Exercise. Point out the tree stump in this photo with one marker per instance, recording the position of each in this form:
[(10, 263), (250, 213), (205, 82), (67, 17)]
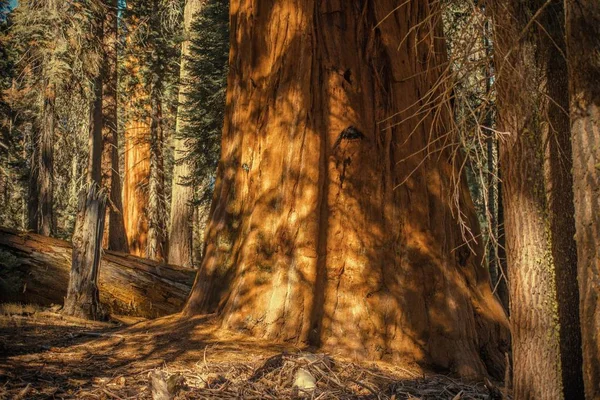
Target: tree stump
[(82, 295)]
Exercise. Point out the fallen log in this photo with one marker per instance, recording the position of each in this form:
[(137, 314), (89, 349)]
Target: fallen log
[(35, 269)]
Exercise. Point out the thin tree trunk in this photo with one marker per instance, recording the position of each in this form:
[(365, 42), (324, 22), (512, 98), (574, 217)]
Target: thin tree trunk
[(537, 201), (324, 230), (182, 209), (583, 39), (157, 233), (82, 296), (116, 238), (33, 196), (83, 299), (45, 166)]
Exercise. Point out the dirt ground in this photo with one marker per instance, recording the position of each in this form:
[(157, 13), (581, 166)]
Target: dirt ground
[(45, 355)]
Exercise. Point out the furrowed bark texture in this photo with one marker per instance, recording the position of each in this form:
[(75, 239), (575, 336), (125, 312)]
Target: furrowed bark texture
[(182, 210), (82, 299), (583, 40), (115, 236), (311, 239), (35, 269), (537, 201)]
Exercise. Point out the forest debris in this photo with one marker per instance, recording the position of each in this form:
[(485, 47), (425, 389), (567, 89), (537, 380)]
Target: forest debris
[(165, 387), (159, 385), (231, 371), (23, 393)]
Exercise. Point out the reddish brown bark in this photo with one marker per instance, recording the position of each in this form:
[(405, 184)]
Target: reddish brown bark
[(135, 194), (310, 238), (115, 236)]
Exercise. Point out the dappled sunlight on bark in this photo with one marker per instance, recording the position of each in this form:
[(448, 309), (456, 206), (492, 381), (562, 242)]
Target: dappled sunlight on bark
[(312, 238)]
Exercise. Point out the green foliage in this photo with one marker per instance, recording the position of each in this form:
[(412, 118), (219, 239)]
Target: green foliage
[(204, 110), (58, 53)]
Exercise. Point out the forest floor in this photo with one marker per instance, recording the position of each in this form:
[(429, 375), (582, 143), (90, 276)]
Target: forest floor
[(45, 355)]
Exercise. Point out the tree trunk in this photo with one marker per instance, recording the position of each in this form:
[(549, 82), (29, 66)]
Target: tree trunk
[(45, 165), (324, 229), (33, 196), (115, 237), (583, 39), (157, 210), (82, 295), (537, 202), (137, 169), (182, 209), (35, 269)]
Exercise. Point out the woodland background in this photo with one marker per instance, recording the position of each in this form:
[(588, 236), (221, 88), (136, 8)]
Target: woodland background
[(490, 134)]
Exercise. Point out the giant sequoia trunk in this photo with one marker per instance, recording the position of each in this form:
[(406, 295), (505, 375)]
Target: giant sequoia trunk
[(537, 200), (583, 36), (312, 239), (116, 238), (182, 210)]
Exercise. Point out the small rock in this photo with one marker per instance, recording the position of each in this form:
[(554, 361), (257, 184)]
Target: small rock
[(305, 381)]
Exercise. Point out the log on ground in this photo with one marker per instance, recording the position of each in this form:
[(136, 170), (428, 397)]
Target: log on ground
[(35, 269)]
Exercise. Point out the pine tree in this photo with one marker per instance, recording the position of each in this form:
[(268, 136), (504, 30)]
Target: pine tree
[(200, 119)]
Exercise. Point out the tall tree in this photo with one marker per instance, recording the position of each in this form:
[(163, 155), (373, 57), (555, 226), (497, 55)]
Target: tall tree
[(182, 195), (200, 123), (324, 230), (83, 299), (537, 199), (151, 55), (583, 39), (111, 179)]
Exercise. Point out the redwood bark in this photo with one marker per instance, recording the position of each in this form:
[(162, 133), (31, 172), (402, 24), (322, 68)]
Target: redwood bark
[(537, 201), (311, 238), (115, 235), (144, 192), (583, 40), (135, 184), (182, 209)]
